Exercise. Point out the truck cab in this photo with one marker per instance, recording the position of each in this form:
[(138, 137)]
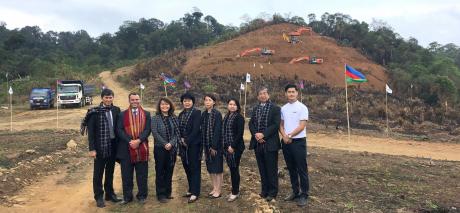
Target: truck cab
[(41, 98), (73, 93)]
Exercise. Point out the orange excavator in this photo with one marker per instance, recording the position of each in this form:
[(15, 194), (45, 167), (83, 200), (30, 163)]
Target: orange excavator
[(312, 60), (261, 51), (293, 37)]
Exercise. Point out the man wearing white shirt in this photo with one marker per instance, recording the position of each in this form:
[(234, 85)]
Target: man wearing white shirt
[(294, 117)]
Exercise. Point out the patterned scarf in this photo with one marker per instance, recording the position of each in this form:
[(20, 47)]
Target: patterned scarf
[(260, 117), (184, 117), (228, 137), (133, 126), (207, 130), (172, 127), (105, 143)]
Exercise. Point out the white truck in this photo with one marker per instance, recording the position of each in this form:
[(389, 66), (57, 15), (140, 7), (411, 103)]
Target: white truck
[(74, 93)]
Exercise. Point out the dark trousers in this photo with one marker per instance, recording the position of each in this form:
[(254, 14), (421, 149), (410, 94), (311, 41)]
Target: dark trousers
[(235, 173), (127, 171), (295, 155), (164, 167), (267, 161), (193, 169), (106, 165)]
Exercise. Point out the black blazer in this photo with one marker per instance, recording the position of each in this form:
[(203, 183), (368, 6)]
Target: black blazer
[(192, 129), (238, 132), (124, 139), (216, 142), (93, 130), (272, 138)]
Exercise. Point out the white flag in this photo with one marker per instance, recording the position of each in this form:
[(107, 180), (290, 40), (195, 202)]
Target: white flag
[(248, 77), (388, 89), (242, 86), (254, 65), (10, 91), (142, 86)]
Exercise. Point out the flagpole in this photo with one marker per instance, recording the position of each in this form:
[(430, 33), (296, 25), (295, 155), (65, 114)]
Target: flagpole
[(166, 91), (11, 112), (57, 106), (346, 101), (240, 94), (245, 89), (386, 111)]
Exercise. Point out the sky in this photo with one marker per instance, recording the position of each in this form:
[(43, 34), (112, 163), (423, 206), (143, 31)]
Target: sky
[(425, 20)]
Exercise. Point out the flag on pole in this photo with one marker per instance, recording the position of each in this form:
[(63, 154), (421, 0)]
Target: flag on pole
[(10, 91), (354, 76), (301, 85), (141, 86), (168, 81), (242, 86), (388, 89), (187, 84), (248, 77)]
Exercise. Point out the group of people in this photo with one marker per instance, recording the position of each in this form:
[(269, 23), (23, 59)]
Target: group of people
[(122, 136)]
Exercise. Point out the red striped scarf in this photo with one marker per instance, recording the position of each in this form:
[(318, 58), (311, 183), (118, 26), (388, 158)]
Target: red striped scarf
[(134, 125)]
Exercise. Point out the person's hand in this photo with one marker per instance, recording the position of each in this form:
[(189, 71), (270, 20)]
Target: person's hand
[(261, 141), (230, 150), (92, 154), (259, 136), (212, 151), (168, 146), (287, 140), (134, 143)]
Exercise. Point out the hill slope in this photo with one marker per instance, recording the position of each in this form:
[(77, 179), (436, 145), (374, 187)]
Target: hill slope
[(221, 59)]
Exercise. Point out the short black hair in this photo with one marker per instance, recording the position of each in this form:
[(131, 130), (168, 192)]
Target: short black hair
[(213, 97), (238, 106), (187, 96), (106, 92), (290, 86)]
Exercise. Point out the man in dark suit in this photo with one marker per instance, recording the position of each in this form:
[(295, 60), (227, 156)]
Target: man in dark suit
[(265, 141), (133, 150), (102, 140)]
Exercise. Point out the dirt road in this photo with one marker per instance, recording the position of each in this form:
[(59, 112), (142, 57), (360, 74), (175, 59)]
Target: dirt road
[(47, 195)]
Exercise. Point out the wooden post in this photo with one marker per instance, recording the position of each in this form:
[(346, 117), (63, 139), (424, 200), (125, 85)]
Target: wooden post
[(386, 112)]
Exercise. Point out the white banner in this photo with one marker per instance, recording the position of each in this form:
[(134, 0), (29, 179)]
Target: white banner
[(242, 86), (248, 77), (10, 91), (388, 89), (142, 86)]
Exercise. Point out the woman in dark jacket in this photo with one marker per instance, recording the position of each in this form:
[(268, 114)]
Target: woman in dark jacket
[(232, 138), (211, 126), (165, 130), (190, 146)]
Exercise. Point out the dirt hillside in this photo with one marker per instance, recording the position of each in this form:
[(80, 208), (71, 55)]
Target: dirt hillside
[(221, 59)]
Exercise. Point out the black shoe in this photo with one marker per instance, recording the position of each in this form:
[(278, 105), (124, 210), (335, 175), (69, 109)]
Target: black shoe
[(142, 200), (113, 198), (302, 201), (269, 198), (100, 203), (163, 200), (263, 195), (170, 197), (291, 197), (124, 202)]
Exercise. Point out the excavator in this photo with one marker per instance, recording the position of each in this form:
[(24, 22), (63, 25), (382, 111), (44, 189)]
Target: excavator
[(293, 37), (312, 60), (261, 51)]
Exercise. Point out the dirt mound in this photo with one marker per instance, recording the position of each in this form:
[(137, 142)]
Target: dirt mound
[(221, 59)]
